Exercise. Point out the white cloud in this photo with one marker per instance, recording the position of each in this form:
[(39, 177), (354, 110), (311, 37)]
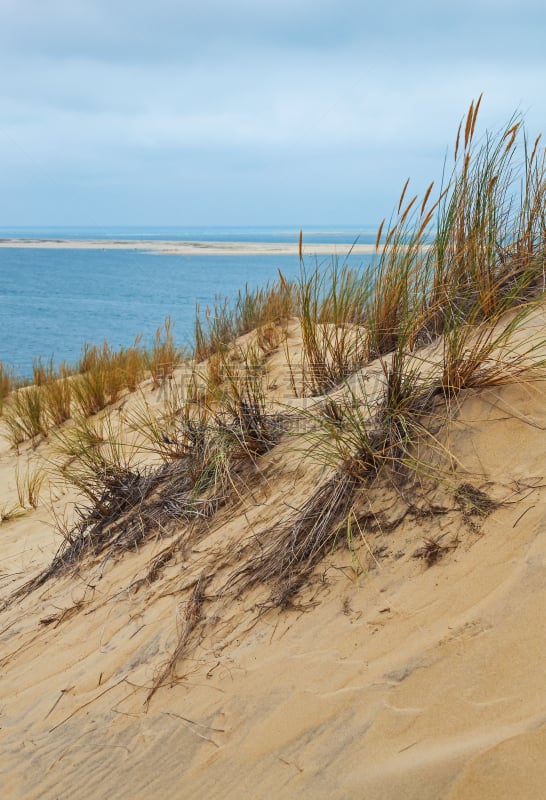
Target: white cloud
[(269, 106)]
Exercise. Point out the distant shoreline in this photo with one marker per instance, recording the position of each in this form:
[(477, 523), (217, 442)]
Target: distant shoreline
[(192, 248)]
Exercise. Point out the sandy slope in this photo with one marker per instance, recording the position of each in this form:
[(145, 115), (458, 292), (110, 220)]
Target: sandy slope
[(405, 681)]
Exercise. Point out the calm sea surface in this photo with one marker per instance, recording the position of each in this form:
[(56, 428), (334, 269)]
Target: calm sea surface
[(52, 301)]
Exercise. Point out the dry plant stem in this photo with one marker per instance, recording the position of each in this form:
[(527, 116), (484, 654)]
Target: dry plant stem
[(10, 512), (288, 552), (180, 427), (165, 355), (126, 504), (7, 383), (486, 355), (330, 308), (239, 407), (489, 248), (475, 283), (25, 416), (193, 616), (29, 485), (98, 380), (266, 309)]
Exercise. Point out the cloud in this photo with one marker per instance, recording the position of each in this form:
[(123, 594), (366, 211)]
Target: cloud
[(137, 31), (248, 109)]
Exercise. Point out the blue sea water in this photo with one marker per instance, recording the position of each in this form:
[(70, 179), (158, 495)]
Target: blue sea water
[(52, 301), (312, 234)]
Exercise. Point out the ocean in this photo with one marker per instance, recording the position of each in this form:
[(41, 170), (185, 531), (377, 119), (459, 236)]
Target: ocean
[(54, 300)]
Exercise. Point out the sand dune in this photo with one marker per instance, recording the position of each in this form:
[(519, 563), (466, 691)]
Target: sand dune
[(404, 681)]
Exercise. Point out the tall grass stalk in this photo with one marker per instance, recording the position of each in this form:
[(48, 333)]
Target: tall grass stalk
[(178, 429), (25, 417), (239, 404), (398, 307), (7, 383), (92, 456), (365, 428), (58, 396), (489, 247), (492, 353), (165, 356), (29, 484), (266, 308), (330, 305)]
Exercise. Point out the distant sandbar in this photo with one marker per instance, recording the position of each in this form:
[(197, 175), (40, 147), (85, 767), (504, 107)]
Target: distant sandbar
[(193, 248)]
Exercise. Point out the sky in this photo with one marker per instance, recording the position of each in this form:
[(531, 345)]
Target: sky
[(248, 112)]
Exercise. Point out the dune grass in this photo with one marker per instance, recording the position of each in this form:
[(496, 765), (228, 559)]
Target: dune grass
[(98, 380), (264, 309), (238, 401), (330, 307), (9, 512), (26, 417), (104, 373), (466, 266), (164, 355), (29, 485), (8, 383), (488, 251), (449, 305)]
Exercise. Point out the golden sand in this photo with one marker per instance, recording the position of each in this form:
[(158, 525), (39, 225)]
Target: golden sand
[(403, 681)]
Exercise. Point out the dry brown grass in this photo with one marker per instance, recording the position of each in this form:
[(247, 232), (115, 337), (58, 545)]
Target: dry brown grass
[(25, 416), (330, 306), (165, 356), (267, 308), (465, 266)]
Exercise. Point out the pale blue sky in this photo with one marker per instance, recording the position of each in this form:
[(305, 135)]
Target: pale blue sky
[(300, 112)]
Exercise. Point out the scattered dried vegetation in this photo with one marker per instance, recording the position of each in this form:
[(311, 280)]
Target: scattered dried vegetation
[(444, 308)]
